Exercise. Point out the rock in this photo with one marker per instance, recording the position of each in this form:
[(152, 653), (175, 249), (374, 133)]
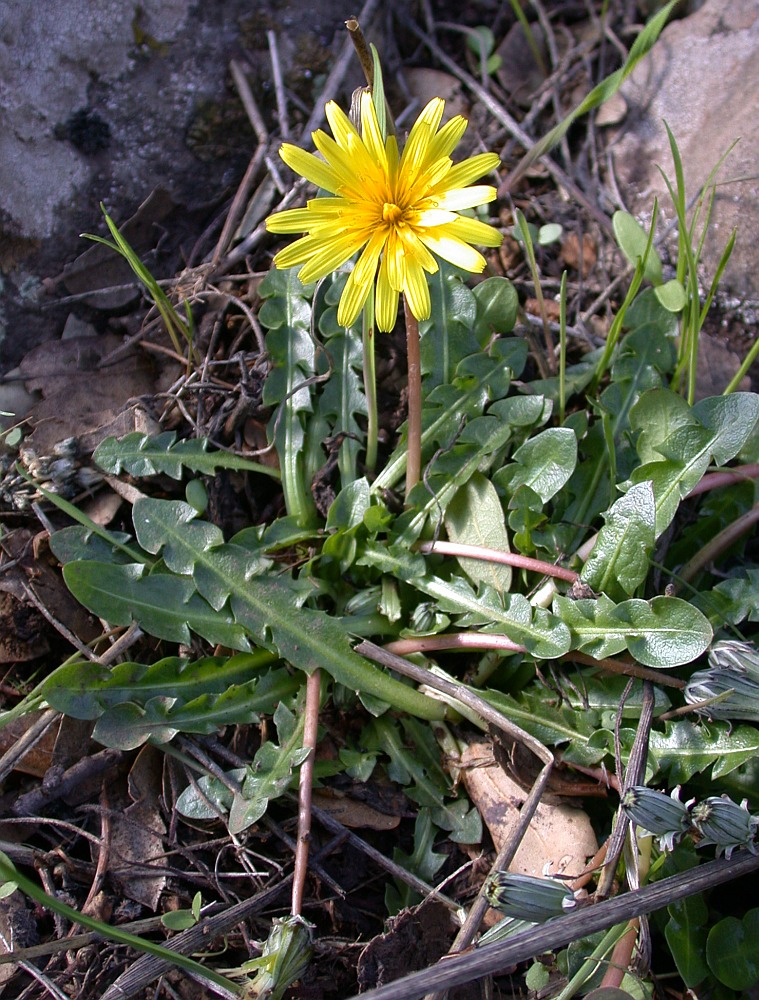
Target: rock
[(110, 101), (702, 77)]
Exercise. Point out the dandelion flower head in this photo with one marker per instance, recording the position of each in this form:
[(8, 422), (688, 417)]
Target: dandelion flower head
[(400, 210)]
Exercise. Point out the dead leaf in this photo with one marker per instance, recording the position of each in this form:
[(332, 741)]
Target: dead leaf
[(137, 833), (80, 397), (424, 84), (22, 631), (715, 367), (519, 74), (351, 813), (559, 836), (553, 309), (580, 261)]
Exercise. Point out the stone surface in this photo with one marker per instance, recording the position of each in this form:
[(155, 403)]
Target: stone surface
[(702, 77), (102, 100)]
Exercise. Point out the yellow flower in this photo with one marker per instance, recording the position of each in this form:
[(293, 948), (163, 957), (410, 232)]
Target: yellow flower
[(400, 209)]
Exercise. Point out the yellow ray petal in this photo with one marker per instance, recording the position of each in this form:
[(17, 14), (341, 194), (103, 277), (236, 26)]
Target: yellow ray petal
[(309, 166), (469, 197), (386, 302), (474, 231), (417, 291), (371, 135), (462, 174), (353, 298), (455, 251), (340, 124)]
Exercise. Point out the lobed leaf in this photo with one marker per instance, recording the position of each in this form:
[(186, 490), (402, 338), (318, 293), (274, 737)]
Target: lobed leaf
[(265, 606), (664, 632), (686, 748), (145, 455), (620, 558)]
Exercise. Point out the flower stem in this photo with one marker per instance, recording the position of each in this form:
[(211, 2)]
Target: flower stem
[(370, 383), (414, 462)]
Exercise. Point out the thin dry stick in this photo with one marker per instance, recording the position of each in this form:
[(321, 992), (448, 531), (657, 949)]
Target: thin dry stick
[(310, 729), (339, 70), (279, 84), (557, 933), (634, 774), (414, 438), (513, 732), (501, 115), (24, 744)]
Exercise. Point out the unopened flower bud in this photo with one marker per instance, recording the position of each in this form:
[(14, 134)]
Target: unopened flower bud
[(726, 824), (284, 959), (525, 897), (663, 816)]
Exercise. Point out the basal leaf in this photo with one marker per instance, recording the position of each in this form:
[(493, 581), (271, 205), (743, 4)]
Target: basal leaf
[(544, 463), (77, 542), (266, 606), (447, 337), (129, 725), (686, 936), (162, 604), (732, 951), (475, 517), (664, 632), (686, 748), (620, 558), (145, 455), (543, 634)]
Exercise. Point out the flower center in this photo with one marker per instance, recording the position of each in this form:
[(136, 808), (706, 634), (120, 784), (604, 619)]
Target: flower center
[(392, 213)]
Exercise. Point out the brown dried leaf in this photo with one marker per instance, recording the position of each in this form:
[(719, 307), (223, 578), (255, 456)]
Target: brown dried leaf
[(351, 813), (559, 836), (81, 398), (572, 257), (137, 834)]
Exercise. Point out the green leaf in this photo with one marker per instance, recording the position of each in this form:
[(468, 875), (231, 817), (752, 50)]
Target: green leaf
[(633, 242), (686, 936), (664, 632), (86, 690), (475, 517), (163, 604), (544, 463), (142, 455), (732, 951), (497, 307), (77, 542), (266, 607), (423, 861), (287, 314), (127, 726), (448, 336), (543, 634), (714, 431), (672, 296), (342, 400), (686, 748), (620, 558)]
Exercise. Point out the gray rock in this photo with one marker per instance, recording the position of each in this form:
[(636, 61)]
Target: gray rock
[(702, 77), (102, 100)]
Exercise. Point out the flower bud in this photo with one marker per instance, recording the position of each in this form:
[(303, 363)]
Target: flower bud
[(525, 897), (661, 815), (726, 824), (732, 679), (284, 959)]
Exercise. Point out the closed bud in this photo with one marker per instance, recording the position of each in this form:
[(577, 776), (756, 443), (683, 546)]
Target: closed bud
[(731, 684), (726, 824), (525, 897), (663, 816)]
